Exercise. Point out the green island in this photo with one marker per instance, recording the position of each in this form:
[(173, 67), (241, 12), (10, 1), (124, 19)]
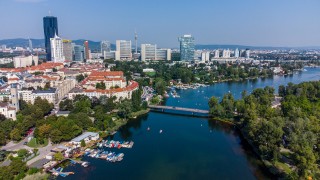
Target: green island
[(283, 130)]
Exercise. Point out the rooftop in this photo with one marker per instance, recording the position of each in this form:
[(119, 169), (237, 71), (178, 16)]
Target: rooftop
[(84, 135)]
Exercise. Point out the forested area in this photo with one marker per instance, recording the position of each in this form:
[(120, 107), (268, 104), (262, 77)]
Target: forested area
[(286, 137)]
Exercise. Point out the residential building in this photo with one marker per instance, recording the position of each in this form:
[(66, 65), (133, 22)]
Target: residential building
[(8, 111), (56, 49), (205, 56), (226, 53), (237, 53), (50, 27), (25, 61), (187, 48), (216, 53), (247, 53), (67, 49), (123, 50)]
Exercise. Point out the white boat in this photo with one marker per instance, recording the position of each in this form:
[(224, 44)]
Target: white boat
[(160, 131)]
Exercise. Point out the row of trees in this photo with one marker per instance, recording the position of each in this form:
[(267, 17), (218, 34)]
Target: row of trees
[(293, 128)]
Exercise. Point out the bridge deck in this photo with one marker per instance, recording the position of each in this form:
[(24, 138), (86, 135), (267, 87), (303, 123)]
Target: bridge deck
[(180, 109)]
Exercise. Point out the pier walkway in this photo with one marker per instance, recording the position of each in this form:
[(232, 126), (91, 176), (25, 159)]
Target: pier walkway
[(181, 109)]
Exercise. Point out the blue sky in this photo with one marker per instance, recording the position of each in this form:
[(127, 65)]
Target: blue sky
[(243, 22)]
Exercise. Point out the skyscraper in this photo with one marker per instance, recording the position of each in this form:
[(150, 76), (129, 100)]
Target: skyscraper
[(56, 49), (50, 27), (105, 47), (30, 46), (67, 49), (86, 50), (78, 53), (236, 53), (123, 50), (187, 48)]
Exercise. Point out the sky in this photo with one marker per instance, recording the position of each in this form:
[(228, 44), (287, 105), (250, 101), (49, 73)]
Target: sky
[(293, 23)]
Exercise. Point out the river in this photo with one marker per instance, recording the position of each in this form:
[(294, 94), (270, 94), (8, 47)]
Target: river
[(188, 147)]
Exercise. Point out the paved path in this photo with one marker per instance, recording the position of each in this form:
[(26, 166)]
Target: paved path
[(180, 109), (43, 152)]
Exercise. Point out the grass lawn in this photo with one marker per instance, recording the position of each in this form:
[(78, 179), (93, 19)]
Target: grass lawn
[(151, 74), (34, 144)]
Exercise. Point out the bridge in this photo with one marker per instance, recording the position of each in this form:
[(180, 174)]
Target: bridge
[(172, 109)]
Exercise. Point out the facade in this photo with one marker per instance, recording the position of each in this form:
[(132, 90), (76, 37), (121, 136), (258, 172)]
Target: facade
[(56, 49), (216, 53), (67, 49), (123, 50), (148, 52), (30, 96), (105, 47), (163, 54), (30, 46), (226, 53), (21, 61), (86, 50), (7, 111), (78, 53), (236, 53), (109, 55), (50, 27), (187, 48), (205, 56), (247, 53)]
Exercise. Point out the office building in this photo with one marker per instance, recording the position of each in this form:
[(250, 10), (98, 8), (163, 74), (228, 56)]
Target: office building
[(163, 54), (148, 52), (123, 50), (86, 50), (56, 49), (78, 53), (247, 53), (30, 46), (67, 49), (105, 46), (187, 48), (50, 27)]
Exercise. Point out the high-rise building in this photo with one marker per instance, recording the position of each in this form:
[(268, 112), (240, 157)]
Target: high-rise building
[(163, 54), (105, 47), (216, 53), (86, 50), (56, 49), (50, 27), (67, 49), (123, 50), (226, 53), (148, 52), (247, 53), (78, 53), (236, 53), (30, 46), (187, 48), (205, 56)]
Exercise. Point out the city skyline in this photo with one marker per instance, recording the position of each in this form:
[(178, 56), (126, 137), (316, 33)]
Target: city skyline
[(229, 22)]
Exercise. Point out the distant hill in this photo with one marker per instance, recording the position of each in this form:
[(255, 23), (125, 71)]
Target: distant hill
[(39, 43), (233, 47)]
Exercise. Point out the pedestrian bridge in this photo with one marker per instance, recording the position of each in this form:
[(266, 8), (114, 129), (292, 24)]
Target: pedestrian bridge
[(175, 110)]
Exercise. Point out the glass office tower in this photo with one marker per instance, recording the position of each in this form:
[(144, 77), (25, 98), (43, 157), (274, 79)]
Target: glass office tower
[(187, 48), (50, 27)]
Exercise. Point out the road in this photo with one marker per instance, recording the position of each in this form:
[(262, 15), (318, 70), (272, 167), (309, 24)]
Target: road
[(11, 146), (42, 153)]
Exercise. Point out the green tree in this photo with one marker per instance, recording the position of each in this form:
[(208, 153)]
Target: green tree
[(83, 143), (58, 156)]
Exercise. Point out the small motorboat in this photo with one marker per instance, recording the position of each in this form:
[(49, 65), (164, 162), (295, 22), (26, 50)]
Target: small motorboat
[(160, 131), (148, 128)]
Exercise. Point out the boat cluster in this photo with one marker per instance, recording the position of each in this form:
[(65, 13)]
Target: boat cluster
[(115, 144), (106, 155)]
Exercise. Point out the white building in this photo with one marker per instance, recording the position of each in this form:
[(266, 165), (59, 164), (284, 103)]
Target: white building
[(163, 54), (248, 53), (123, 50), (148, 52), (236, 53), (226, 53), (8, 111), (57, 49), (22, 61), (86, 137), (216, 54), (205, 56), (105, 46)]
